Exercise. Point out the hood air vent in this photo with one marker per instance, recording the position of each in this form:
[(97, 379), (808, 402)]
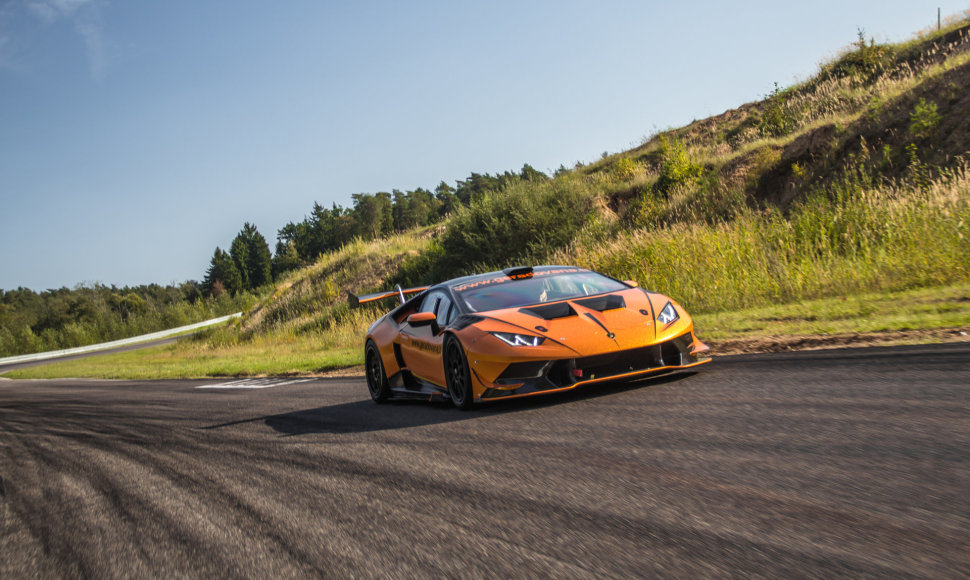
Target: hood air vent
[(550, 311), (602, 303)]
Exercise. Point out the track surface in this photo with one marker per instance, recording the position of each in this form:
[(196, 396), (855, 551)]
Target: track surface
[(818, 464)]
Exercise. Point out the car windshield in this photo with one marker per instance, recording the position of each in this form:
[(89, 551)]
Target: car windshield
[(495, 294)]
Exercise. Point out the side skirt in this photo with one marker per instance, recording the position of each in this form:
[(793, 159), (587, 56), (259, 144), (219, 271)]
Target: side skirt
[(405, 385)]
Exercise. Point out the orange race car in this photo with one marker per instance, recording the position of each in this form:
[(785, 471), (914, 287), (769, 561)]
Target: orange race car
[(522, 332)]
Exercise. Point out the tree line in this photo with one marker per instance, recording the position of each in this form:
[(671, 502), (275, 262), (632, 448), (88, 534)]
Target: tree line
[(65, 318), (87, 314), (248, 264)]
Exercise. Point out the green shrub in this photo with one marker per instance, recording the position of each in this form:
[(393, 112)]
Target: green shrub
[(647, 210), (779, 117), (924, 119), (875, 107), (524, 224), (422, 268), (762, 161), (624, 169), (917, 172), (865, 62), (677, 167)]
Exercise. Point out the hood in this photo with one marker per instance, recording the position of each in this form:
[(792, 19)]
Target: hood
[(588, 325)]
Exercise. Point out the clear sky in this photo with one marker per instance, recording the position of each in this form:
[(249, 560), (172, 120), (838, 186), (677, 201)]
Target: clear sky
[(136, 136)]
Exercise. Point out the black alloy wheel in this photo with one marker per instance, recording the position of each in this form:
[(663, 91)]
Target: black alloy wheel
[(457, 376), (377, 383)]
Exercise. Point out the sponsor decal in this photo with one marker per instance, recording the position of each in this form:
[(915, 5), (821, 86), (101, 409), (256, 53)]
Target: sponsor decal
[(426, 346), (503, 279)]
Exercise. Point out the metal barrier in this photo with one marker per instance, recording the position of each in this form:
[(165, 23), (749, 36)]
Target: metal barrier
[(116, 343)]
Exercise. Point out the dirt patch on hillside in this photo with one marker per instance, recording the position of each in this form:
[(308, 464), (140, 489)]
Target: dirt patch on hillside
[(878, 139), (856, 339)]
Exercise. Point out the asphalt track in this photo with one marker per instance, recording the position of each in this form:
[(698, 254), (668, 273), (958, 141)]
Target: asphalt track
[(816, 464)]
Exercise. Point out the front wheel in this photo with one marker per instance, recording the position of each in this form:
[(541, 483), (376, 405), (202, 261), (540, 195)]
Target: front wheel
[(457, 376), (377, 383)]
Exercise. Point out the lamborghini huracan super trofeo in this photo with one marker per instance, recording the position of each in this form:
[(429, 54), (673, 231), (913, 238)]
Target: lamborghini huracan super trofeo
[(522, 332)]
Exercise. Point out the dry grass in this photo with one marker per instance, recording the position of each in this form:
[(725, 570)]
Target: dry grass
[(873, 240)]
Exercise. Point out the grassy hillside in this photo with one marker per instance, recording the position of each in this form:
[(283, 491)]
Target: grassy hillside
[(851, 184)]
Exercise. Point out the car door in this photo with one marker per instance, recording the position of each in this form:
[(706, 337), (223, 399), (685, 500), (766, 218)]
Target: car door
[(421, 343)]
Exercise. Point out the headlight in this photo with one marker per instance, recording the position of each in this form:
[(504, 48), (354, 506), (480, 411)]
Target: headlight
[(518, 339), (668, 315)]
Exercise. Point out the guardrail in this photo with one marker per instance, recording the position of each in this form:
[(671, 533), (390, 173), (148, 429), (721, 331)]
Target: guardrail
[(115, 343)]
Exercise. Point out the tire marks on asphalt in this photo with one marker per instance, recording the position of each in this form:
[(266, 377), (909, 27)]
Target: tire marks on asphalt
[(807, 465), (255, 383)]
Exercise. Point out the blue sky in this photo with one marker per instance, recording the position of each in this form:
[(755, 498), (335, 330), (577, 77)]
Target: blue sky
[(137, 136)]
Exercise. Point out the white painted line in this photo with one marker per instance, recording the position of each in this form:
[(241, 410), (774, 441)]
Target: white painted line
[(254, 384), (115, 343)]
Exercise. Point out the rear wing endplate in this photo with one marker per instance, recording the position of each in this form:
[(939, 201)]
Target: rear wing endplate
[(356, 301)]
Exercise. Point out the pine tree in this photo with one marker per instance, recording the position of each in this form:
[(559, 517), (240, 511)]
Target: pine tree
[(259, 265), (222, 273), (285, 259), (239, 251), (445, 194), (252, 257)]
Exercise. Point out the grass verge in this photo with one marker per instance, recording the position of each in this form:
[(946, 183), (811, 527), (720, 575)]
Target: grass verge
[(925, 315)]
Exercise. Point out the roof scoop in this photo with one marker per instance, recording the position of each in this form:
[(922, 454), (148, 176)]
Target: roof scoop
[(518, 272)]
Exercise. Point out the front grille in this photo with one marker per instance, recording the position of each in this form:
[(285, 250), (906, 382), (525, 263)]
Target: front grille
[(519, 372), (672, 352), (544, 375), (618, 363)]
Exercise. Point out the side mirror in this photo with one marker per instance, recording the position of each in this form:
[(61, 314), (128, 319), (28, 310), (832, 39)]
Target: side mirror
[(419, 319), (633, 283)]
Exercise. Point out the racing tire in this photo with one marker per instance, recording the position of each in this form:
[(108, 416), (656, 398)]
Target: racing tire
[(377, 383), (457, 375)]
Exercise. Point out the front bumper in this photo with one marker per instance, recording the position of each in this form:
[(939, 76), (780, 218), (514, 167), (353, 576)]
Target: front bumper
[(528, 378)]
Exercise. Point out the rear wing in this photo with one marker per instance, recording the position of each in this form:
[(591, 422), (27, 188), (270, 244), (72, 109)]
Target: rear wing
[(356, 301)]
